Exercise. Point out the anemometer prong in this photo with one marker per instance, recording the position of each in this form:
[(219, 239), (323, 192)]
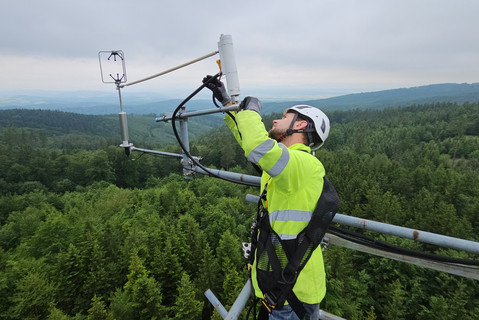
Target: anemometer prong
[(114, 54), (117, 80)]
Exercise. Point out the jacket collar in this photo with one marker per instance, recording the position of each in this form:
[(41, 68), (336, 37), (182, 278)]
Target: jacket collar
[(300, 147)]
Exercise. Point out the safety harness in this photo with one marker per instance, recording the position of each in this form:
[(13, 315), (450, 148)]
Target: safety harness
[(279, 262)]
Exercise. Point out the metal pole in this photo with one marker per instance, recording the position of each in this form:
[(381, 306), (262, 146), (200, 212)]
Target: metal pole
[(123, 124), (231, 175), (240, 302), (187, 172), (197, 113), (216, 303), (323, 315), (417, 235), (172, 69), (124, 130), (119, 96), (159, 153), (240, 177), (407, 233)]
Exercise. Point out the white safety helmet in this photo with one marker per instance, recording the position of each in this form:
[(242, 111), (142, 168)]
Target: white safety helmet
[(319, 119)]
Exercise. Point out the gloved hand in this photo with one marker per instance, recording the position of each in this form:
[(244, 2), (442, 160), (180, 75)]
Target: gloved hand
[(219, 90), (251, 103)]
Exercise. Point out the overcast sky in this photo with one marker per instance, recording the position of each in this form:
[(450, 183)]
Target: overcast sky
[(315, 48)]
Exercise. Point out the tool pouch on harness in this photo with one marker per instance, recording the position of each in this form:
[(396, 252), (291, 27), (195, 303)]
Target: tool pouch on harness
[(279, 262)]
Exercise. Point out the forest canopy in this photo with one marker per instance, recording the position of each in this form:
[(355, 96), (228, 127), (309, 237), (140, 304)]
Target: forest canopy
[(87, 233)]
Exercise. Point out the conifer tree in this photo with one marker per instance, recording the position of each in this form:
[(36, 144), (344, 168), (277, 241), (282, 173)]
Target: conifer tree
[(209, 272), (395, 308), (232, 285), (57, 314), (195, 242), (141, 296), (186, 304), (98, 310), (229, 253), (166, 269)]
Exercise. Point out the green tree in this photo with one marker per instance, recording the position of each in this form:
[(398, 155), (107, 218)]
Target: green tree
[(208, 277), (141, 296), (232, 285), (71, 275), (229, 253), (98, 310), (194, 244), (57, 314), (20, 225), (167, 270), (32, 298), (395, 308), (98, 167), (186, 304)]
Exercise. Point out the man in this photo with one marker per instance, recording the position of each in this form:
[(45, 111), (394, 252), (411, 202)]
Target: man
[(291, 184)]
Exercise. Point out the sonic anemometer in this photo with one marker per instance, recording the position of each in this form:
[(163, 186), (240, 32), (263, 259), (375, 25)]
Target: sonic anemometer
[(113, 70)]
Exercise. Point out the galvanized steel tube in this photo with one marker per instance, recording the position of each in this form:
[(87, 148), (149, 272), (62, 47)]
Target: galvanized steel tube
[(407, 233)]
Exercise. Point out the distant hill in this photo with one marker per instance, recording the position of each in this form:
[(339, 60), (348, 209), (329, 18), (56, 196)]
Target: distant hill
[(96, 103), (447, 92), (142, 128)]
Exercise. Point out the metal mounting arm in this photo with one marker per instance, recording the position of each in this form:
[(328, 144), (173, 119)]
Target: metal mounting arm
[(184, 115)]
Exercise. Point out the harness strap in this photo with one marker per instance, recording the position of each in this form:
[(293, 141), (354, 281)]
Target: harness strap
[(309, 239), (282, 289)]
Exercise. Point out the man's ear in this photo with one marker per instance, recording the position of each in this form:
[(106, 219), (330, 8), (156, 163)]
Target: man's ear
[(300, 125)]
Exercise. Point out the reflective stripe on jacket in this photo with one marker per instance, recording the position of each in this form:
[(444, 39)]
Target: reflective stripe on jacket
[(295, 183)]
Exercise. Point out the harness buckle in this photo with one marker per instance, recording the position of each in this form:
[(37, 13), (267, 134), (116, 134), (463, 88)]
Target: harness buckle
[(269, 301)]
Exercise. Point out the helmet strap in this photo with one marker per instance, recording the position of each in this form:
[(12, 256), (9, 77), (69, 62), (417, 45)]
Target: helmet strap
[(309, 130), (310, 139), (290, 131)]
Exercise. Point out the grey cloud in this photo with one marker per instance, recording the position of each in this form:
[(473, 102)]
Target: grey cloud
[(427, 36)]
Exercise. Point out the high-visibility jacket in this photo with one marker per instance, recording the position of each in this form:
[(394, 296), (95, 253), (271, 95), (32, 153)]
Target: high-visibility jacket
[(295, 181)]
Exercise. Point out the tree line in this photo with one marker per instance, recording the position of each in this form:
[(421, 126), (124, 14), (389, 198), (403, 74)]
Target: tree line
[(91, 234)]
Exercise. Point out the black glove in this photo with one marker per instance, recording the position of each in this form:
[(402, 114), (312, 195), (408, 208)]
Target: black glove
[(218, 88), (251, 103)]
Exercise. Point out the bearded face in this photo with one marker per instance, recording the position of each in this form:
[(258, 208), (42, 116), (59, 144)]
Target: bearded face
[(280, 126), (276, 133)]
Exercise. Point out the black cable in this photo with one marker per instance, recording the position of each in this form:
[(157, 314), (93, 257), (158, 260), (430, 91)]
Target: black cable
[(134, 159), (249, 310), (227, 112), (173, 123), (373, 243), (362, 239)]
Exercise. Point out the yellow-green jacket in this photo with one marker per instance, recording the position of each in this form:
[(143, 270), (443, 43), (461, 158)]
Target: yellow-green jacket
[(295, 181)]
